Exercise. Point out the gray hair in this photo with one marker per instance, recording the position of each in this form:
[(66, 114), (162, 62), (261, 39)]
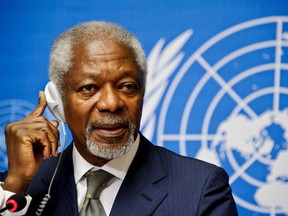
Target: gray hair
[(62, 50)]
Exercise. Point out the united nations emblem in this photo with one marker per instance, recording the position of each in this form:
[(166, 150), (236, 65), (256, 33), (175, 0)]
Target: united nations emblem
[(228, 104)]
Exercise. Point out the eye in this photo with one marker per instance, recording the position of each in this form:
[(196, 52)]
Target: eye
[(128, 88), (88, 89)]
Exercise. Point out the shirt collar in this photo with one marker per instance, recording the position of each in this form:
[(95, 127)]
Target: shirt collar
[(117, 166)]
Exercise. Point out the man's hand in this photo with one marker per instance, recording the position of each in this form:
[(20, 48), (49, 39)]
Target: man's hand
[(28, 142)]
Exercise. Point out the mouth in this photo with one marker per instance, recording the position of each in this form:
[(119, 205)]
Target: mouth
[(109, 132)]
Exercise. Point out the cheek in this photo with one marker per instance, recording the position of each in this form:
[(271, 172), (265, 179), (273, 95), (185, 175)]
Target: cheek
[(74, 111), (77, 115), (136, 111)]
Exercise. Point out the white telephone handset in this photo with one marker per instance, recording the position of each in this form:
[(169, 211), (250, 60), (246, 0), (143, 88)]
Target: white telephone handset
[(55, 105), (54, 101)]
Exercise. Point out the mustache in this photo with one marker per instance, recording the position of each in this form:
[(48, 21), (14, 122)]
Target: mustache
[(109, 120)]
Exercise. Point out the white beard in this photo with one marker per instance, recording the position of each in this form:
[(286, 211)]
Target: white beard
[(98, 150)]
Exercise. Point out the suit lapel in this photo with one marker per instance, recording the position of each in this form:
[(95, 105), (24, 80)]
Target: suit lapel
[(138, 194), (63, 199), (64, 188)]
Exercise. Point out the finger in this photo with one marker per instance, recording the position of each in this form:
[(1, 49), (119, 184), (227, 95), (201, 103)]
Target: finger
[(54, 149), (55, 123), (54, 138), (46, 144), (55, 129), (52, 134), (38, 111)]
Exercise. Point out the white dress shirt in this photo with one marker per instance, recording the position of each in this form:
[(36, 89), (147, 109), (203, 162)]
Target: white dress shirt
[(118, 167)]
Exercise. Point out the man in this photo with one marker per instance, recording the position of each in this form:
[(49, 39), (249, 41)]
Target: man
[(100, 71)]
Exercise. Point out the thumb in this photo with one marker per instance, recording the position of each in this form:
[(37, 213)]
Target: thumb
[(38, 111)]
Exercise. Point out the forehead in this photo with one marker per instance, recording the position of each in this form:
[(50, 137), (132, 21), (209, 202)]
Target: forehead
[(101, 50), (96, 56)]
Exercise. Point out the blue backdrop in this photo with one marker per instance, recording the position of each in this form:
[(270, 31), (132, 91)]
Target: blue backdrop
[(217, 85)]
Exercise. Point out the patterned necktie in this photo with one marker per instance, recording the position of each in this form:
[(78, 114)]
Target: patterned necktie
[(96, 182)]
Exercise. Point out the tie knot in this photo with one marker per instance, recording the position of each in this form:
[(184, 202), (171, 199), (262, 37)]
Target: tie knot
[(96, 182)]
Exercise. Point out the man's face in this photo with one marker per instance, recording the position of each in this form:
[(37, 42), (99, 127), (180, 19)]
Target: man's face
[(103, 98)]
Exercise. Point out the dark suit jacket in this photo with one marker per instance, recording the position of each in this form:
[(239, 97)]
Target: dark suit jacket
[(159, 182)]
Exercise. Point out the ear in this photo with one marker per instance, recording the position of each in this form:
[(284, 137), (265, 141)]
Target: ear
[(54, 101)]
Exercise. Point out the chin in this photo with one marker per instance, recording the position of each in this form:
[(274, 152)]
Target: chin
[(111, 150), (109, 147)]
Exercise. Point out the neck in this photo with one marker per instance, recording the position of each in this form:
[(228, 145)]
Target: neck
[(90, 158)]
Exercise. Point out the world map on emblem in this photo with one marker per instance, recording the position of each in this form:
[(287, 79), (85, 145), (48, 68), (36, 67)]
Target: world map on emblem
[(228, 105)]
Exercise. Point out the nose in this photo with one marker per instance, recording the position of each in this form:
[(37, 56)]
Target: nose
[(109, 100)]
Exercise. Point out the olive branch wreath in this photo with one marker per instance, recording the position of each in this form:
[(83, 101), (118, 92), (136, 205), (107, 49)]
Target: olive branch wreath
[(162, 63)]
